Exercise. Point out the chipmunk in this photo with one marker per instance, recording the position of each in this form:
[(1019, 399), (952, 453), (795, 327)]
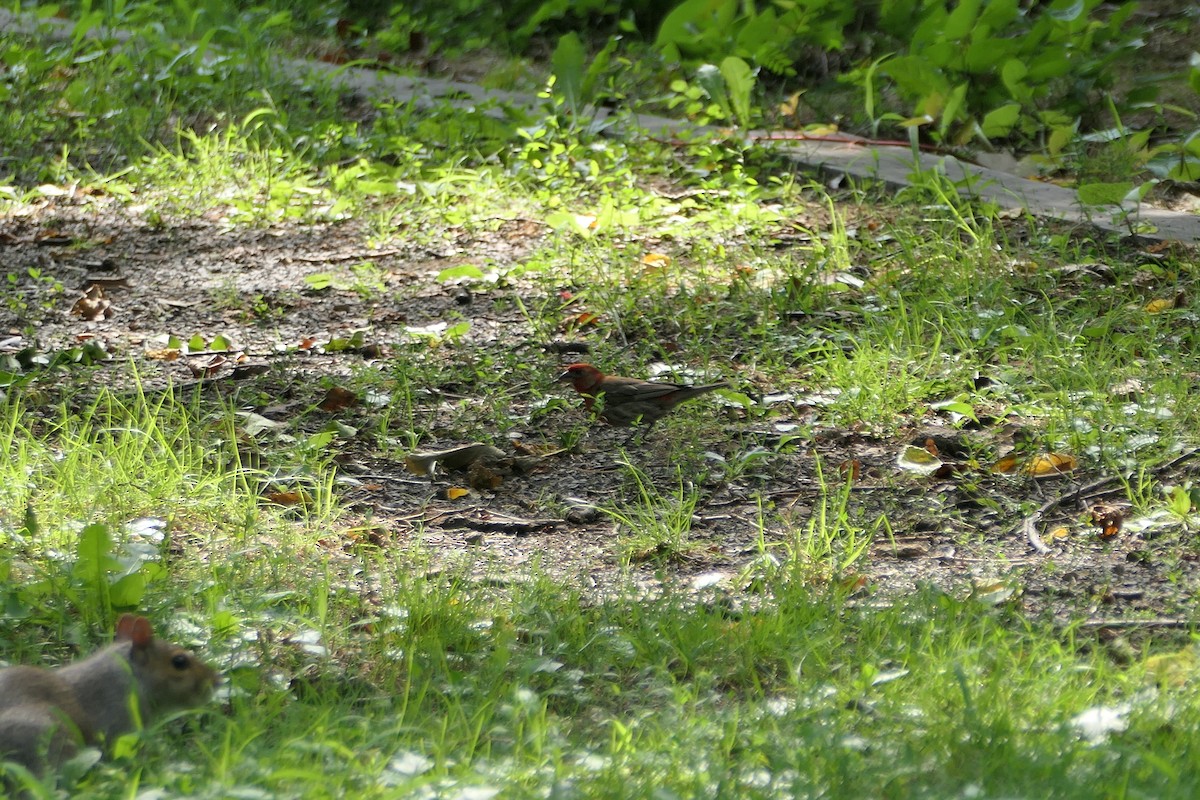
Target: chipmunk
[(46, 713)]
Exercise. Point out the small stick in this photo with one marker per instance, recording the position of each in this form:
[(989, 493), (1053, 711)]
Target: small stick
[(1029, 525), (1160, 622)]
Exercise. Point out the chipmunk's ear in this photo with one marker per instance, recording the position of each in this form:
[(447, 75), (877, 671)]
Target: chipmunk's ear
[(132, 628)]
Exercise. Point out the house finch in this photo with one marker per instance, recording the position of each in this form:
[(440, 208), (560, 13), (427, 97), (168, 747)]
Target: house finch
[(629, 401)]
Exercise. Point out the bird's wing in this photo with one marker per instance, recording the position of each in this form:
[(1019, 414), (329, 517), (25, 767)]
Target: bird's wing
[(628, 390)]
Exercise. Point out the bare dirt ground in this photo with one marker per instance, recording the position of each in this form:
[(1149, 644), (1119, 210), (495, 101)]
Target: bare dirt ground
[(205, 278)]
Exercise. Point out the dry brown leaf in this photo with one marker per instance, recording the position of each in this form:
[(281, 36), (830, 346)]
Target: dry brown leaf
[(850, 469), (1108, 517), (286, 498), (583, 320), (163, 354), (93, 306), (481, 476), (853, 583), (338, 399), (209, 368), (51, 236), (744, 271)]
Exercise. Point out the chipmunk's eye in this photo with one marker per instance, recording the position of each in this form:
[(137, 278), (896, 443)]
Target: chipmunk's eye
[(180, 661)]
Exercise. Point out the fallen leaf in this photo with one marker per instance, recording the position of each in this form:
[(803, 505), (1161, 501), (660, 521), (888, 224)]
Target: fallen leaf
[(1173, 668), (481, 476), (853, 583), (1006, 464), (286, 498), (93, 306), (1050, 464), (1108, 517), (918, 460), (991, 594), (455, 492), (1159, 305), (254, 424), (583, 320), (788, 107), (208, 368), (338, 399)]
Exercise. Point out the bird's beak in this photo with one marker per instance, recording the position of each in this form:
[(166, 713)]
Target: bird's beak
[(563, 377)]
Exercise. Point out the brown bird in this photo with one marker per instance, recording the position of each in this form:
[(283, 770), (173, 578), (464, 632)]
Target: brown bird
[(629, 401)]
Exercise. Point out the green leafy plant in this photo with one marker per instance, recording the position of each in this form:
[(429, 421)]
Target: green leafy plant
[(713, 30), (1179, 159), (991, 70), (575, 79), (101, 576)]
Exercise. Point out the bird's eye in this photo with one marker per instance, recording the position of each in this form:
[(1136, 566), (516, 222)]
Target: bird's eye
[(180, 661)]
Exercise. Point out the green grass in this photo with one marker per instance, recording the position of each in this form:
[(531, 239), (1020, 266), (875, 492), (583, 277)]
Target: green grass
[(436, 684)]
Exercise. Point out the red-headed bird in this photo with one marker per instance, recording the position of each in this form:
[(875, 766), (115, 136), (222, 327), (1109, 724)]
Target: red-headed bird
[(629, 401)]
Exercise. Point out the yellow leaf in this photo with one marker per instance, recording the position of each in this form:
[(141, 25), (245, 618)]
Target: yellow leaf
[(656, 260), (1061, 532), (1173, 669), (1048, 464), (1159, 305), (1006, 464), (455, 492), (788, 107)]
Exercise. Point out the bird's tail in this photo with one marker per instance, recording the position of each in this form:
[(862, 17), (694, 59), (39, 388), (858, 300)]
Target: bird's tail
[(695, 391)]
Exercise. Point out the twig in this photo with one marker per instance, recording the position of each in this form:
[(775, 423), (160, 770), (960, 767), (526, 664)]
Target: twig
[(345, 257), (499, 524), (1161, 622), (1029, 525)]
